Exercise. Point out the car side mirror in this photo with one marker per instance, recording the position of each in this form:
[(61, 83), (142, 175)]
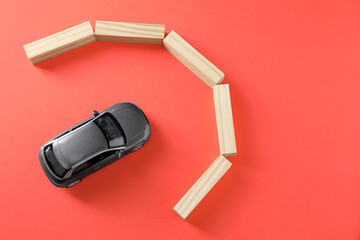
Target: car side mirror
[(95, 113)]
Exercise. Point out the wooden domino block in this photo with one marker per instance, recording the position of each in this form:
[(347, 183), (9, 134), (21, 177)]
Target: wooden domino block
[(224, 120), (129, 32), (192, 59), (202, 186), (59, 43)]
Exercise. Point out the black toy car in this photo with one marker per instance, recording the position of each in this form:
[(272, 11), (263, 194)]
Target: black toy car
[(94, 144)]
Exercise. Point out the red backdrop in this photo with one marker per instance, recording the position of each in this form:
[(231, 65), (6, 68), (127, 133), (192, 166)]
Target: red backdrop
[(293, 69)]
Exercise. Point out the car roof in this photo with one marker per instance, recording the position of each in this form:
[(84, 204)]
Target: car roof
[(79, 144)]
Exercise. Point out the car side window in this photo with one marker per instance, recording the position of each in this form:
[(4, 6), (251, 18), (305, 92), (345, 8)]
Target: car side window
[(81, 167), (94, 160), (102, 156), (111, 130)]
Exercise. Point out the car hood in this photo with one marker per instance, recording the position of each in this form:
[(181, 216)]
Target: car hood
[(79, 144), (132, 121)]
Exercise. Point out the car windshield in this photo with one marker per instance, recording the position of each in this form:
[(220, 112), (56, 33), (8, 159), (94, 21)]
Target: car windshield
[(111, 130)]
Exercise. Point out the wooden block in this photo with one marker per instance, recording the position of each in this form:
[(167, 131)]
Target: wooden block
[(202, 186), (59, 43), (192, 59), (129, 32), (224, 120)]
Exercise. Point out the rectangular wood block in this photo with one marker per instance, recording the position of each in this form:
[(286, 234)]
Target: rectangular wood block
[(192, 59), (60, 42), (129, 32), (202, 186), (224, 120)]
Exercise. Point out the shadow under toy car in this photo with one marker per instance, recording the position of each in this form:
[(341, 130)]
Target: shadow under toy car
[(94, 143)]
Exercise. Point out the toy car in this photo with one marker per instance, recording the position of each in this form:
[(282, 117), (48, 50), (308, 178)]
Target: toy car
[(94, 144)]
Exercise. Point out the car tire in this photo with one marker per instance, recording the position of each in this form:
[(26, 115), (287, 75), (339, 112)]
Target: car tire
[(74, 183), (137, 147)]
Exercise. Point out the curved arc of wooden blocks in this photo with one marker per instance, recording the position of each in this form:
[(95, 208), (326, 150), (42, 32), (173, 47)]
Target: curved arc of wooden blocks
[(83, 34)]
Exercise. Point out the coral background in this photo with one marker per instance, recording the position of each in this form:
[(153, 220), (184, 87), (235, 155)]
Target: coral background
[(294, 74)]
